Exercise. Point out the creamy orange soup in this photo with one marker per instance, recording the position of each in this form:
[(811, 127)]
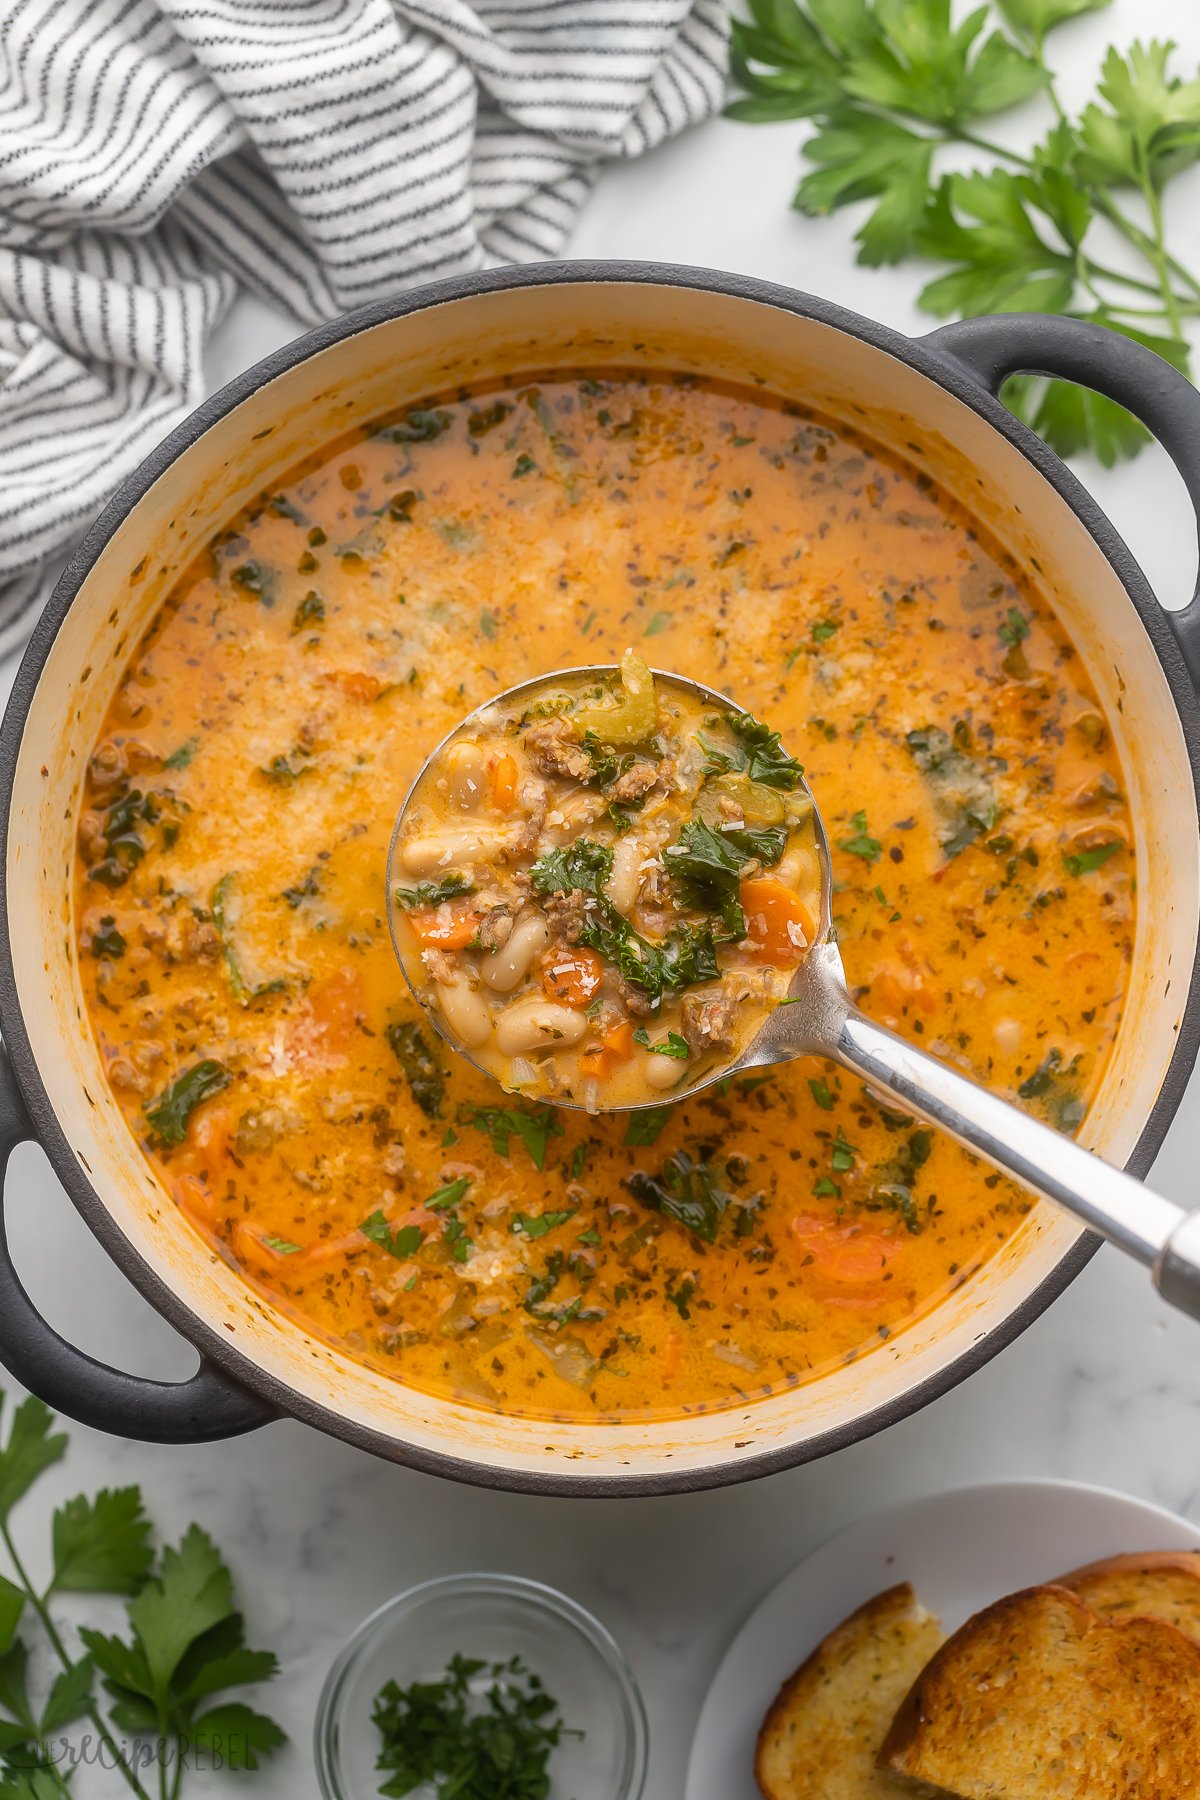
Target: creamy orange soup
[(231, 900)]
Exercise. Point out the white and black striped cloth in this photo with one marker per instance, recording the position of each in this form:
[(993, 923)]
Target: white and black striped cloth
[(156, 153)]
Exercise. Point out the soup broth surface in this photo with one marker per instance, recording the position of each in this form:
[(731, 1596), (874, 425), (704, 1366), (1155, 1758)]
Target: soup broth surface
[(231, 902)]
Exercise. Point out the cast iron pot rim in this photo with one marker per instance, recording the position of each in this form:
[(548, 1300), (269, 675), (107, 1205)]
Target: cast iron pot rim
[(938, 366)]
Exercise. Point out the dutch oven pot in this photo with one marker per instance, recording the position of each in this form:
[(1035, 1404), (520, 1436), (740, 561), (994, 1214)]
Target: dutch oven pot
[(933, 399)]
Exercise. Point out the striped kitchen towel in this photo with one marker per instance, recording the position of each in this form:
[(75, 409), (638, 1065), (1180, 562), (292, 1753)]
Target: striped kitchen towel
[(156, 153)]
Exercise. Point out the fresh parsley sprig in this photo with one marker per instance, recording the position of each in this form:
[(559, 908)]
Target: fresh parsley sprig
[(185, 1649), (890, 83)]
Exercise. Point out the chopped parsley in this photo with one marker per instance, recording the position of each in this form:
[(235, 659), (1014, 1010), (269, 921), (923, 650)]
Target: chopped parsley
[(481, 1732), (1082, 862), (1015, 628), (401, 1244), (671, 1045), (843, 1155), (860, 842), (536, 1225), (535, 1126)]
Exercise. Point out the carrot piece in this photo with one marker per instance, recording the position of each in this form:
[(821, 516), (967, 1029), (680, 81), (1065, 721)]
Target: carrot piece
[(205, 1151), (196, 1200), (504, 784), (356, 684), (572, 976), (451, 926), (844, 1262), (779, 926), (615, 1045), (671, 1360), (328, 1025)]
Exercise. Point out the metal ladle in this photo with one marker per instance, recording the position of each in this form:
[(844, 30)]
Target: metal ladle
[(818, 1018)]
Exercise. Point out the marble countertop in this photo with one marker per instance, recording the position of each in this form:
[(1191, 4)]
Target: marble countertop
[(1105, 1388)]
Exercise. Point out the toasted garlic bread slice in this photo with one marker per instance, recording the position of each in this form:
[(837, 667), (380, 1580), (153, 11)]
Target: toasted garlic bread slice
[(1036, 1698), (1158, 1584), (823, 1731)]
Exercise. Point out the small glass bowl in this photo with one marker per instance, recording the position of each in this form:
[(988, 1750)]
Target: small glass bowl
[(494, 1617)]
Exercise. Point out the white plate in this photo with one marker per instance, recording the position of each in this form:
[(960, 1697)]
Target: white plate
[(960, 1550)]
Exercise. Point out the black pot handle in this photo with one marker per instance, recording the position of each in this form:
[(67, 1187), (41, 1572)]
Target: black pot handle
[(1003, 344), (208, 1406)]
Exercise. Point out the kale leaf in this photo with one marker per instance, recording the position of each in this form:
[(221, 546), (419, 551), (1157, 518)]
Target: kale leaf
[(422, 1071), (685, 1190), (169, 1115)]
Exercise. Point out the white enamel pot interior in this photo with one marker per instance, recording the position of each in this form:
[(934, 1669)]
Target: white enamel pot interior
[(922, 398)]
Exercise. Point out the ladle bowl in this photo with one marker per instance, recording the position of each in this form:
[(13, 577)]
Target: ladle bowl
[(818, 1018)]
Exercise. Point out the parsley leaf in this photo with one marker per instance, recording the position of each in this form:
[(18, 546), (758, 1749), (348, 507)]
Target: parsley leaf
[(671, 1045), (860, 842), (982, 225), (1150, 129), (536, 1225), (101, 1545), (401, 1244), (1084, 861), (30, 1449), (891, 84), (186, 1643), (862, 156), (535, 1126), (1036, 17)]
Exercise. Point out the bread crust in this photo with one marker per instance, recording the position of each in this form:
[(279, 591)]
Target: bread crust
[(894, 1607), (1002, 1668), (1141, 1583)]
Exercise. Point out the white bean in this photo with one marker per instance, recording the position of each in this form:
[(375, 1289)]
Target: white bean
[(800, 870), (466, 769), (442, 850), (661, 1072), (504, 968), (569, 817), (626, 878), (538, 1025), (465, 1012)]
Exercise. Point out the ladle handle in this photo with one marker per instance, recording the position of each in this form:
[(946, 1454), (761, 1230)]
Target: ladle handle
[(1116, 1205)]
